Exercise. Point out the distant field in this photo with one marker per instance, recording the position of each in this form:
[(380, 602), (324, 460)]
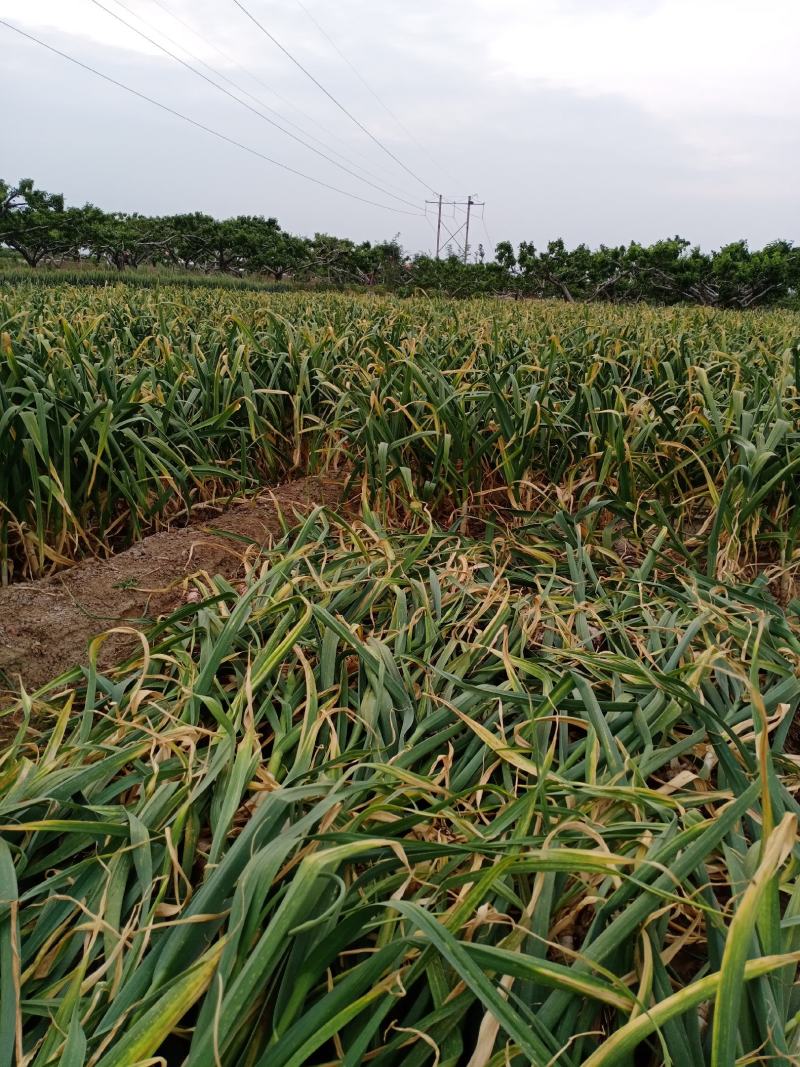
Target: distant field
[(146, 277), (503, 772)]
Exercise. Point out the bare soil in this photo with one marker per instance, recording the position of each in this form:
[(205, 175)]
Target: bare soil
[(46, 626)]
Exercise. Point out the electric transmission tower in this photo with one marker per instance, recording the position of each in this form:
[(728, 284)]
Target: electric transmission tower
[(454, 236)]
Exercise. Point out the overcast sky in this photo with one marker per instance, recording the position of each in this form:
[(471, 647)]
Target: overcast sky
[(593, 120)]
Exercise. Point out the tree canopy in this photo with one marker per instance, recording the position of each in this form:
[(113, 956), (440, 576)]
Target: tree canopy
[(37, 226)]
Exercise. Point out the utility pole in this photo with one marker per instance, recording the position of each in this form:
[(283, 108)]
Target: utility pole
[(466, 232), (469, 204)]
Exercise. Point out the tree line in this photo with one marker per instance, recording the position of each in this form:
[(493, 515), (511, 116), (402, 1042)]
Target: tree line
[(40, 229), (37, 227)]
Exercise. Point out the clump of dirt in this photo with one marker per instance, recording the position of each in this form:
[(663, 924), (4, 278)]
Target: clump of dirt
[(46, 625)]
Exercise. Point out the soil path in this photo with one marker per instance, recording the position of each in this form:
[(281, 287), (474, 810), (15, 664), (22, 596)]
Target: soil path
[(45, 626)]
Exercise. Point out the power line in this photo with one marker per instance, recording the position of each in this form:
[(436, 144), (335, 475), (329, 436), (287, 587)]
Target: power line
[(237, 85), (257, 100), (227, 56), (201, 126), (370, 89), (242, 103), (330, 96)]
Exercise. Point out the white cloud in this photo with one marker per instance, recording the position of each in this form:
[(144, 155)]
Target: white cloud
[(600, 120), (675, 58), (671, 57), (78, 17)]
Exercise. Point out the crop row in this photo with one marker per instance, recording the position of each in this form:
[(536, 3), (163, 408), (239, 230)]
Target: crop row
[(120, 408), (413, 800), (501, 771)]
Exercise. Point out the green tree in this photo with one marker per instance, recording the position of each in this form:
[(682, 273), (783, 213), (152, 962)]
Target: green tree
[(192, 238), (122, 240), (34, 223)]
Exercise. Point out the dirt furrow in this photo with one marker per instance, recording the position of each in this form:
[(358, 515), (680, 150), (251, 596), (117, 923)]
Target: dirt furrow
[(46, 626)]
